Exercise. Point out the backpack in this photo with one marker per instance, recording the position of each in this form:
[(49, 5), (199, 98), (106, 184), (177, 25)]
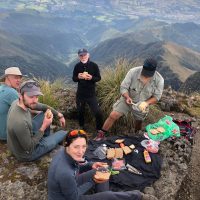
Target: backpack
[(186, 129)]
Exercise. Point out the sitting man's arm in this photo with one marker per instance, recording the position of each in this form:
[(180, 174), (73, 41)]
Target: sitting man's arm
[(44, 107)]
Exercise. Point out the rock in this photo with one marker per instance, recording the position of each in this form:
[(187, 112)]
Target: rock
[(149, 190)]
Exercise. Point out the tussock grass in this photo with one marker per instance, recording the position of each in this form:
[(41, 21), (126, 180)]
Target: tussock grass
[(49, 89), (108, 91)]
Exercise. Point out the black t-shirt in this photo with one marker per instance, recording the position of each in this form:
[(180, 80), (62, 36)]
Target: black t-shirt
[(86, 88)]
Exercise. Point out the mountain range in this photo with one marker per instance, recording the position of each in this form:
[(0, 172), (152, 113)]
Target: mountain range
[(176, 63), (15, 52), (192, 84), (43, 36)]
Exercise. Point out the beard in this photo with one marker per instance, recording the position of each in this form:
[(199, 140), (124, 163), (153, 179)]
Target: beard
[(28, 105), (84, 61)]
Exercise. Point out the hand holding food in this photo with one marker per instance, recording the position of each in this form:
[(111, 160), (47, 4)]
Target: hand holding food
[(48, 114), (102, 175), (87, 76), (143, 106)]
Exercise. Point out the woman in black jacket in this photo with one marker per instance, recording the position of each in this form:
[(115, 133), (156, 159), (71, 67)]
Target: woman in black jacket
[(70, 180)]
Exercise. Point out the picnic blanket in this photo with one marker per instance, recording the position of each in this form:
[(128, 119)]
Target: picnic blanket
[(126, 180)]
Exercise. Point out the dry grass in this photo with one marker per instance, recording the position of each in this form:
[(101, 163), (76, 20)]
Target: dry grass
[(49, 89), (108, 91)]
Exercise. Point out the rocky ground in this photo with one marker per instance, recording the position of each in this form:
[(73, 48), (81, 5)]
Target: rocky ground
[(179, 175)]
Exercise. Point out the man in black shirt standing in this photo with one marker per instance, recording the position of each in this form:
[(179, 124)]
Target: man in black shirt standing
[(87, 73)]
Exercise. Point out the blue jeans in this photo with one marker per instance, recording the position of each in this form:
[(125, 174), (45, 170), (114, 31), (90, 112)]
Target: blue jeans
[(48, 142)]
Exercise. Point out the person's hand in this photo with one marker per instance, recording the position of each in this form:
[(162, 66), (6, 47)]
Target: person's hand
[(88, 76), (46, 123), (101, 175), (96, 165), (129, 100), (143, 106), (62, 121), (81, 76)]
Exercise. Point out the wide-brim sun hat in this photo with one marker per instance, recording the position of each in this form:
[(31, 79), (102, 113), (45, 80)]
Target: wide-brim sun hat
[(11, 71)]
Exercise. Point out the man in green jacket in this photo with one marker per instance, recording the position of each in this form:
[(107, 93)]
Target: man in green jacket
[(26, 142)]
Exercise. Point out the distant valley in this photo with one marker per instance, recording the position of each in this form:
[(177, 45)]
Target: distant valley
[(42, 37)]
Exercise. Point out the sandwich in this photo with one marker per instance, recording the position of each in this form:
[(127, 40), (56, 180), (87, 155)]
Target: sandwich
[(102, 175)]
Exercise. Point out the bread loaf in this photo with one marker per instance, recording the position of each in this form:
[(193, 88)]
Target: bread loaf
[(153, 131), (132, 146), (160, 129), (110, 153), (119, 141), (118, 153), (126, 150)]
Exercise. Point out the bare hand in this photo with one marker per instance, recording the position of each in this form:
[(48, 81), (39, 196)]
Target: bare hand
[(96, 165), (88, 77), (81, 76), (129, 100), (62, 121), (143, 106), (46, 122)]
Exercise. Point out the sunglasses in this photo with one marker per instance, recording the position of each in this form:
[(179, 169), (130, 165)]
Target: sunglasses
[(77, 132)]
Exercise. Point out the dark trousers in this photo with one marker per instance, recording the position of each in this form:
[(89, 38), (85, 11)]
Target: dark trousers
[(82, 180), (102, 190), (94, 107)]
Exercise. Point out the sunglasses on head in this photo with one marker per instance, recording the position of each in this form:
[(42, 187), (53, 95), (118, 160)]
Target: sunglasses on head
[(29, 84), (76, 132)]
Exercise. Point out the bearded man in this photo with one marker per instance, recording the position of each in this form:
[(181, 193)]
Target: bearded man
[(29, 139)]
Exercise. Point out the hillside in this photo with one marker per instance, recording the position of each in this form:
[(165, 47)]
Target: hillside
[(176, 62), (15, 52), (192, 84), (47, 34), (184, 34)]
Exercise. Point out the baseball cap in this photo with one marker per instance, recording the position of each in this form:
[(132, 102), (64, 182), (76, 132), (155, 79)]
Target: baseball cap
[(149, 67), (11, 71), (82, 52), (31, 88)]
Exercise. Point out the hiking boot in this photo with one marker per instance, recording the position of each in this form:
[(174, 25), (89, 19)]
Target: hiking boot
[(148, 197), (100, 135)]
